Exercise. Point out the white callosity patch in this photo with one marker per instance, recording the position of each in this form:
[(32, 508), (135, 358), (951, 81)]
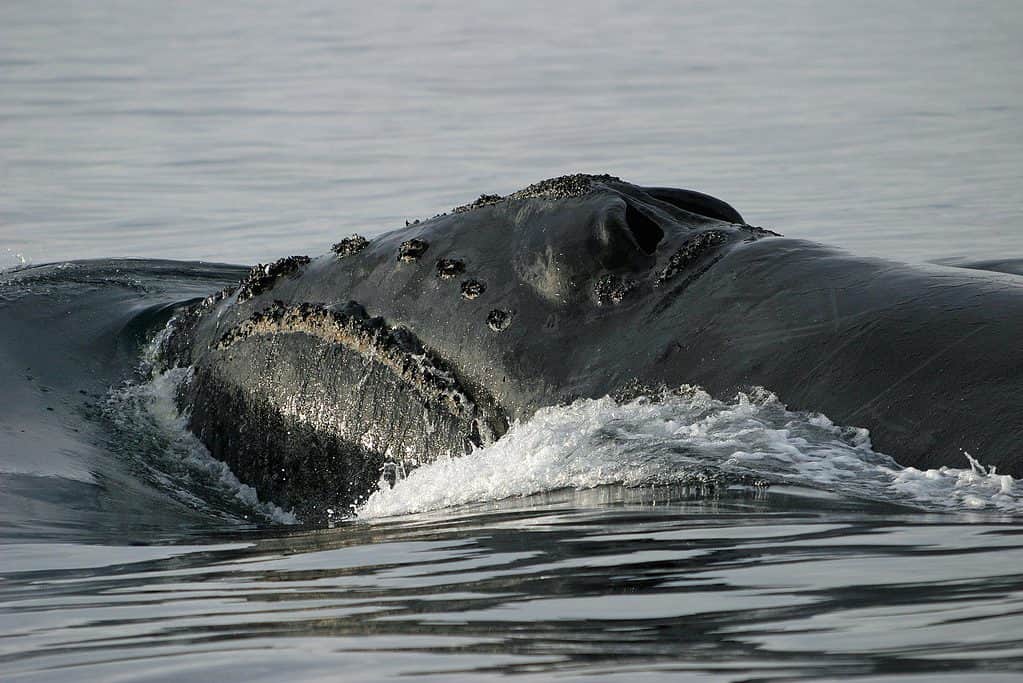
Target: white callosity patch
[(594, 442)]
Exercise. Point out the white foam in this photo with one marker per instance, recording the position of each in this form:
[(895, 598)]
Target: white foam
[(595, 442)]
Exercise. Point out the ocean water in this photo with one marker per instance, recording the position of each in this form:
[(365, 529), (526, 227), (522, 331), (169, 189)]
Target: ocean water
[(682, 538)]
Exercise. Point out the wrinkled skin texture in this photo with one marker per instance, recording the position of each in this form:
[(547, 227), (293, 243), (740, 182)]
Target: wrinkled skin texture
[(589, 285)]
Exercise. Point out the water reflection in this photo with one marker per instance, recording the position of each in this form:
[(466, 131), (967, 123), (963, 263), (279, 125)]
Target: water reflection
[(745, 583)]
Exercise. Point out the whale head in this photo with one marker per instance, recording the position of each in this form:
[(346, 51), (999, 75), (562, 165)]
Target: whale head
[(315, 375)]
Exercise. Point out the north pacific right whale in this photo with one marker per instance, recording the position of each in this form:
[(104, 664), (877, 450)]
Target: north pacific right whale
[(314, 374)]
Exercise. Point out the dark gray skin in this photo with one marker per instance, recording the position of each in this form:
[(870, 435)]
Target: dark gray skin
[(590, 285)]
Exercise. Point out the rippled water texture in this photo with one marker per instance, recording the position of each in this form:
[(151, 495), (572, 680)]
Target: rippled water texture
[(611, 584), (679, 539)]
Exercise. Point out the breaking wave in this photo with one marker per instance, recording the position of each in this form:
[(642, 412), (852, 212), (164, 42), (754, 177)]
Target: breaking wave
[(688, 438)]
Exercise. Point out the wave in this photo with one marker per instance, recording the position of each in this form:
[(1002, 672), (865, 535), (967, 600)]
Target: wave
[(69, 333), (688, 438), (154, 433)]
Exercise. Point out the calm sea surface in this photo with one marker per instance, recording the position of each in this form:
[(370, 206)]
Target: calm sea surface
[(237, 132)]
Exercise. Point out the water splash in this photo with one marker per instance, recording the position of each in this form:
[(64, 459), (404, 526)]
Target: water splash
[(12, 260), (686, 437), (153, 432)]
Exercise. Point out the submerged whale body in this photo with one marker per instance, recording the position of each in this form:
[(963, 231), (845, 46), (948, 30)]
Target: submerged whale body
[(313, 376)]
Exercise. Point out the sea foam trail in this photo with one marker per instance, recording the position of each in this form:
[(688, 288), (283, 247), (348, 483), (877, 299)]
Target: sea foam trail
[(687, 437)]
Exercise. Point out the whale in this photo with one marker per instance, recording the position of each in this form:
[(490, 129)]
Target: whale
[(313, 378)]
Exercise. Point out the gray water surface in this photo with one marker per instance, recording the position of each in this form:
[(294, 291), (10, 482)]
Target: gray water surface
[(610, 584), (237, 132)]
